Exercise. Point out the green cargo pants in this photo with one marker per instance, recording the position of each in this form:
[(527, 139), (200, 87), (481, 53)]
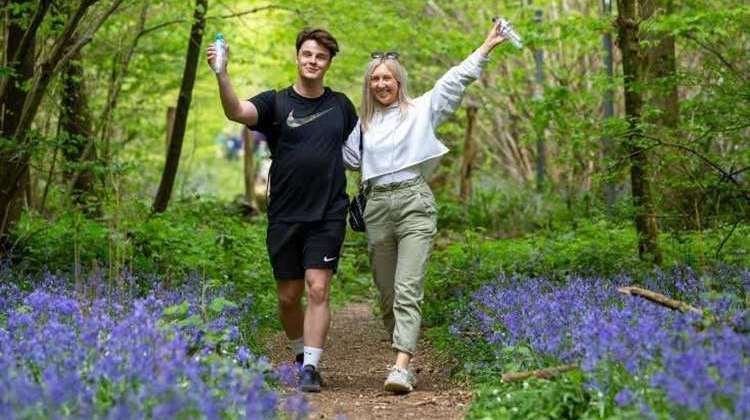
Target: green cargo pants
[(401, 222)]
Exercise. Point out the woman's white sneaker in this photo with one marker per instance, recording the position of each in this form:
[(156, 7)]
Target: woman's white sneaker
[(400, 381)]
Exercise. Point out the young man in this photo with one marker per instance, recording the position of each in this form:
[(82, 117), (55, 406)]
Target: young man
[(306, 125)]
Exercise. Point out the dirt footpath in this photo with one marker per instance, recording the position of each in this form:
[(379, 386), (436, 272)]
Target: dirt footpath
[(354, 367)]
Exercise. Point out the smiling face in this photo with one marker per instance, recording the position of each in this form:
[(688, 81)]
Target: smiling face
[(384, 86), (313, 60)]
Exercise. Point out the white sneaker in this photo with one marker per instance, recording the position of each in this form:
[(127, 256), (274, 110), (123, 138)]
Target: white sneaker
[(400, 381)]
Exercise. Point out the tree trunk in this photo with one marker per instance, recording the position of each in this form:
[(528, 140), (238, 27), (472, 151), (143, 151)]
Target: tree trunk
[(183, 105), (663, 98), (170, 127), (119, 71), (640, 177), (470, 153), (14, 161), (661, 67), (12, 186), (78, 147), (541, 148), (610, 192), (25, 39)]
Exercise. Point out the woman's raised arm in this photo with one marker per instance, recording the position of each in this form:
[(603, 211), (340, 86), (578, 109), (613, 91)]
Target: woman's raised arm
[(447, 93)]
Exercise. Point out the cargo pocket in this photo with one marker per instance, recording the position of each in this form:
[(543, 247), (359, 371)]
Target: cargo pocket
[(428, 202)]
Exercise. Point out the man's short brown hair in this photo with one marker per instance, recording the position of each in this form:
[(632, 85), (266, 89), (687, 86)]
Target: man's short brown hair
[(321, 36)]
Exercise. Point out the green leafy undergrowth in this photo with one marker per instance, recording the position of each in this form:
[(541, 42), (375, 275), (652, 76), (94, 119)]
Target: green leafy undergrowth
[(198, 237), (562, 398), (509, 209), (475, 362), (593, 248), (598, 248)]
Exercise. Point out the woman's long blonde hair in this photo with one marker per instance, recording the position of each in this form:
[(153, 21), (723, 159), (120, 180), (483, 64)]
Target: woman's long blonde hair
[(369, 103)]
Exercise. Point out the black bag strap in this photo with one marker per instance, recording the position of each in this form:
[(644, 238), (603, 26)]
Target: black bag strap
[(280, 99), (362, 185), (342, 106), (279, 102), (279, 105)]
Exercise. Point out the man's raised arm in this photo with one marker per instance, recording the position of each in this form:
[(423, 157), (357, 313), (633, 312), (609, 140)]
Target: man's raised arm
[(237, 110)]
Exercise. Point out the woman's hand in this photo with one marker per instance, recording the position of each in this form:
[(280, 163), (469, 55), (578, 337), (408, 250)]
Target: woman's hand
[(494, 38), (211, 56)]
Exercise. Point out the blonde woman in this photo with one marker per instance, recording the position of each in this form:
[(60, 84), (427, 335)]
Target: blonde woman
[(399, 149)]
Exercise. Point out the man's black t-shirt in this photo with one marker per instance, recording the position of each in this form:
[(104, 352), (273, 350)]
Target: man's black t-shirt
[(307, 171)]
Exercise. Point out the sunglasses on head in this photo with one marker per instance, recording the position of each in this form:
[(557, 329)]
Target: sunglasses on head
[(388, 54)]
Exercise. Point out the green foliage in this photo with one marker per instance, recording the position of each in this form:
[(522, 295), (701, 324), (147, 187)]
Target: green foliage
[(554, 233), (598, 248), (563, 398), (506, 210), (591, 247), (194, 238), (177, 311), (432, 36), (474, 359), (71, 240), (219, 339), (354, 277), (204, 238), (471, 358), (6, 71)]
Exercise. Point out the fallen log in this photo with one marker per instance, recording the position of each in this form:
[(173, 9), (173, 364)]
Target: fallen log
[(659, 298), (545, 373)]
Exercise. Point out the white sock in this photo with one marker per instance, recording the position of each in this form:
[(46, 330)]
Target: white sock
[(312, 356), (297, 345)]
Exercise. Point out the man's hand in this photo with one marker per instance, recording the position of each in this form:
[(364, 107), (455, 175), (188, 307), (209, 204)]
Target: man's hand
[(243, 112)]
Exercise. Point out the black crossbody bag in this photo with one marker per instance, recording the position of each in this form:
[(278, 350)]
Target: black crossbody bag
[(359, 201)]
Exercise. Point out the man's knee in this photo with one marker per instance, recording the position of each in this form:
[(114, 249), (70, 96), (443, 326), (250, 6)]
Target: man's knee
[(287, 302), (317, 286), (290, 296), (317, 293)]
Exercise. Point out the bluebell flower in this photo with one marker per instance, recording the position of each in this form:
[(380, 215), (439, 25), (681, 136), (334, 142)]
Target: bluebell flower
[(58, 352), (624, 397), (585, 320), (297, 407)]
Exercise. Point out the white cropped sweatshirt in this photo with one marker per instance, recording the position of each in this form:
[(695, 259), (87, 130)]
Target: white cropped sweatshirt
[(406, 144)]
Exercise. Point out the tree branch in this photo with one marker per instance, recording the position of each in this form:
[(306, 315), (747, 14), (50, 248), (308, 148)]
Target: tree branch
[(724, 174), (660, 299), (118, 76), (228, 16), (30, 33), (46, 70), (89, 34), (706, 160), (717, 54), (255, 10), (23, 47), (726, 238)]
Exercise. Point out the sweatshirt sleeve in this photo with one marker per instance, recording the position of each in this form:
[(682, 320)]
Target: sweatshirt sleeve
[(352, 158), (446, 95)]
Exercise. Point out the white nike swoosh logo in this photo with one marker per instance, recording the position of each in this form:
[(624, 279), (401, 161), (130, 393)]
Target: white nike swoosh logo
[(299, 122), (326, 259)]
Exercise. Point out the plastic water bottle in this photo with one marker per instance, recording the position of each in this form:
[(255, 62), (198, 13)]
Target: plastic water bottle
[(221, 52), (507, 31)]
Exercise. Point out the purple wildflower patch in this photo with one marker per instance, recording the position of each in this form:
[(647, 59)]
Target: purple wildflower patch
[(624, 343), (166, 355)]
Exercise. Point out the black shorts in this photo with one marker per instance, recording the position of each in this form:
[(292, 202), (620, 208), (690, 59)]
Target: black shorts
[(295, 247)]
